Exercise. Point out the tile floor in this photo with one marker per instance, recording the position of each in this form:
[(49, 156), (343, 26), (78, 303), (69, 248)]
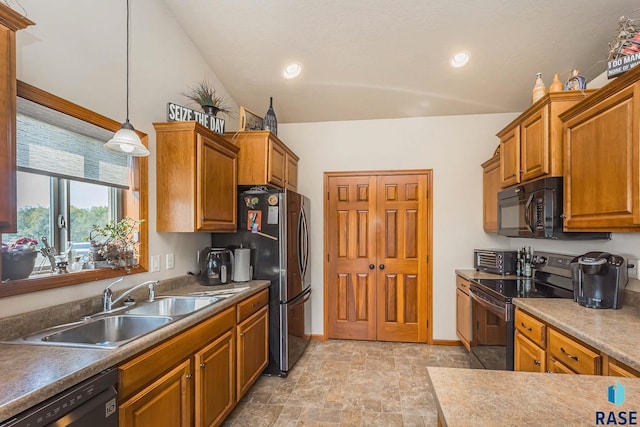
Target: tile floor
[(350, 383)]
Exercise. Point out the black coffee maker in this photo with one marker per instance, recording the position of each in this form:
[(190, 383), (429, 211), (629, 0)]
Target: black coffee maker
[(599, 279)]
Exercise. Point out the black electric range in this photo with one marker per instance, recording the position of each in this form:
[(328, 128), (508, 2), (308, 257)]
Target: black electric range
[(493, 312)]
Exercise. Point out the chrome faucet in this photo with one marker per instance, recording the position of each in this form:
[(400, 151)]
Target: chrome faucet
[(107, 294)]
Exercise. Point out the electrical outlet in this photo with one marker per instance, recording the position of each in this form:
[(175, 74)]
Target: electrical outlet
[(633, 272), (170, 262), (155, 263)]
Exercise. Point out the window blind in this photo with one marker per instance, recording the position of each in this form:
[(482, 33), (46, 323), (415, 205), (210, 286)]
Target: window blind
[(55, 144)]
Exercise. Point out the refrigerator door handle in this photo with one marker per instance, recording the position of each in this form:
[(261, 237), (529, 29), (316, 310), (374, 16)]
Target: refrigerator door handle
[(303, 244)]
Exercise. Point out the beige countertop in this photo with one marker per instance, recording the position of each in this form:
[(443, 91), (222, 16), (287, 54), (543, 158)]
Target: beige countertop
[(471, 397), (614, 332), (33, 373)]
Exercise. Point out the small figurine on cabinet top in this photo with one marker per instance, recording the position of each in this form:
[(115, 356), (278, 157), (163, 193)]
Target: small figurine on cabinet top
[(575, 81)]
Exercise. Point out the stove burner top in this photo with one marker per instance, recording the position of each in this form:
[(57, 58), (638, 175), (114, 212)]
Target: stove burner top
[(523, 288)]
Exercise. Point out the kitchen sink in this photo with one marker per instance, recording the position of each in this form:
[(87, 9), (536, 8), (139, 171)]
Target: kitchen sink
[(173, 306), (105, 332)]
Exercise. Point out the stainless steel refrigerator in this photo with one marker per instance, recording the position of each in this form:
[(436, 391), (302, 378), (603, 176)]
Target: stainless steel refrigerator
[(274, 224)]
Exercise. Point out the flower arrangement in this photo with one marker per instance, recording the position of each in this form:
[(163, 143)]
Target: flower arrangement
[(18, 258), (116, 241), (204, 94)]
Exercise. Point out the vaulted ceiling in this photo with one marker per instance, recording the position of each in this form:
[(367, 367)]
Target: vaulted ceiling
[(377, 59)]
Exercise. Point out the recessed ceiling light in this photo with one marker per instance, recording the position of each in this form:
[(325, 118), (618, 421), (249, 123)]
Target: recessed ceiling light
[(459, 59), (292, 71)]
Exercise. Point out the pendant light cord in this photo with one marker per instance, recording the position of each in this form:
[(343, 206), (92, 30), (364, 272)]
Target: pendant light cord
[(127, 119)]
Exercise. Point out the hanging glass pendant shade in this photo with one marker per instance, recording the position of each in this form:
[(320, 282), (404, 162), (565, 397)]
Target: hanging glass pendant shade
[(126, 141)]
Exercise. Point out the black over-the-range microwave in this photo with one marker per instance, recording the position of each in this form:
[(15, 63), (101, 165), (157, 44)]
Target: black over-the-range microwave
[(534, 209)]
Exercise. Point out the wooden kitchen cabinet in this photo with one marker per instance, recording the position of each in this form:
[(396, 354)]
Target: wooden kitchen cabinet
[(166, 402), (490, 188), (10, 22), (265, 160), (531, 145), (197, 178), (253, 342), (528, 357), (530, 343), (463, 312), (541, 348), (165, 374), (616, 368), (215, 381), (602, 159), (574, 355)]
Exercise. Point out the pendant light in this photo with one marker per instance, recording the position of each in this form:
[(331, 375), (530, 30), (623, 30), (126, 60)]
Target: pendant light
[(126, 141)]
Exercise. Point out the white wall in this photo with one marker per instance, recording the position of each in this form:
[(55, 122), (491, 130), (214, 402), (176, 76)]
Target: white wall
[(453, 146), (76, 50)]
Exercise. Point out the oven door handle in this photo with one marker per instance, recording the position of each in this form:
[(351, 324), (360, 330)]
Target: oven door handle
[(497, 310)]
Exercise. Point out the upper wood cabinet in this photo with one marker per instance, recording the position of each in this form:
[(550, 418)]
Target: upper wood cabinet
[(490, 188), (531, 145), (196, 176), (10, 22), (602, 161), (265, 160)]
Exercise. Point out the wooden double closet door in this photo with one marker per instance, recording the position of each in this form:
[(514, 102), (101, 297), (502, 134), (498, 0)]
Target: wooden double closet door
[(377, 269)]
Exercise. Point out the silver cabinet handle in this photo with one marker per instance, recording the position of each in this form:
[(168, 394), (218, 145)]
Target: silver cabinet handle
[(189, 376), (202, 365), (570, 356), (536, 362)]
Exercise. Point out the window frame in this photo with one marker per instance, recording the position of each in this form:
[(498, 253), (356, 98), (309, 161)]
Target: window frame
[(134, 200)]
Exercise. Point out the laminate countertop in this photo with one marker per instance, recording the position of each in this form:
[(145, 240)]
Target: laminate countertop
[(33, 373), (472, 397)]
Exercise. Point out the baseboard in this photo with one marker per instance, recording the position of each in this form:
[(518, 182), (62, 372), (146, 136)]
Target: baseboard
[(447, 342), (318, 338)]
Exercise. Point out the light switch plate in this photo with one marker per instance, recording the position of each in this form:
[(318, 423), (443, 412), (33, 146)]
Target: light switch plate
[(155, 263), (170, 262)]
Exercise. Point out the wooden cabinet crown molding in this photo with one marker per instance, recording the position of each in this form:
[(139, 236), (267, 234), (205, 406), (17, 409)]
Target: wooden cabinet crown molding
[(600, 95), (13, 20)]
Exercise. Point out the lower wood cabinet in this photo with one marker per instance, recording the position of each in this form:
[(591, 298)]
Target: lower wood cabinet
[(615, 368), (528, 357), (463, 312), (197, 377), (215, 382), (166, 402), (253, 349), (541, 348)]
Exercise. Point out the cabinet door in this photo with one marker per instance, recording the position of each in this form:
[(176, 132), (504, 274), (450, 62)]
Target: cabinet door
[(216, 186), (276, 166), (215, 381), (510, 157), (573, 354), (253, 349), (616, 369), (292, 173), (490, 188), (463, 317), (534, 145), (166, 402), (602, 184), (554, 366), (528, 357)]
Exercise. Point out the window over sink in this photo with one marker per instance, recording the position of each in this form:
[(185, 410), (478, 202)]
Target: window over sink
[(66, 184)]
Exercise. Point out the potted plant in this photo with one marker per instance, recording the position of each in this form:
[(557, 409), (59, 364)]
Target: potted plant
[(116, 243), (204, 94), (18, 258)]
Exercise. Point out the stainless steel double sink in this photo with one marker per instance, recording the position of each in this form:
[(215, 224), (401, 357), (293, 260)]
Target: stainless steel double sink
[(110, 330)]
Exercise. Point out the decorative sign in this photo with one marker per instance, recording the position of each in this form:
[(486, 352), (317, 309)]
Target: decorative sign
[(615, 67), (178, 113)]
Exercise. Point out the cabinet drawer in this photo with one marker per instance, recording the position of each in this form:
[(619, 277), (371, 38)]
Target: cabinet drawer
[(145, 368), (462, 284), (555, 367), (531, 328), (618, 369), (252, 304), (573, 354)]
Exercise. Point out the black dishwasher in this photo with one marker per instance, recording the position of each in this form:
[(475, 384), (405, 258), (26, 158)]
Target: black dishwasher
[(93, 402)]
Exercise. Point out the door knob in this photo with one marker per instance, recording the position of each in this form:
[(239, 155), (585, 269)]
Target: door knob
[(371, 266), (381, 267)]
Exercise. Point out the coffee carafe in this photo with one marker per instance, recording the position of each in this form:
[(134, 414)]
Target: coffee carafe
[(599, 279), (215, 266)]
